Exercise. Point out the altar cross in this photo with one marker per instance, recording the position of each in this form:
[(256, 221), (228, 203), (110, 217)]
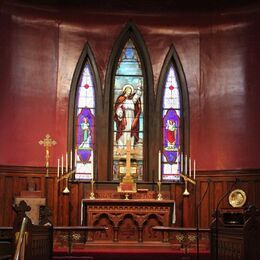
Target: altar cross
[(128, 158)]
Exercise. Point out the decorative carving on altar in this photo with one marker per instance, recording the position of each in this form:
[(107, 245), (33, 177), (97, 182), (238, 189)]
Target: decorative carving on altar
[(132, 221), (140, 194)]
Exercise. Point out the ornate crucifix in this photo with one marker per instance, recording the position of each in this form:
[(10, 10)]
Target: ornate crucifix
[(47, 142)]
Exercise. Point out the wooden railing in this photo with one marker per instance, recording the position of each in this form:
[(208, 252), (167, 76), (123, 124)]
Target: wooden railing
[(184, 236), (75, 234), (20, 245)]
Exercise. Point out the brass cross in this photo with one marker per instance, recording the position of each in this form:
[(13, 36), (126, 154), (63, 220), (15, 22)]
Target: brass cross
[(47, 142)]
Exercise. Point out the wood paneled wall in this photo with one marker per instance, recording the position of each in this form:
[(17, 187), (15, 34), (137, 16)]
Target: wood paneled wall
[(66, 208)]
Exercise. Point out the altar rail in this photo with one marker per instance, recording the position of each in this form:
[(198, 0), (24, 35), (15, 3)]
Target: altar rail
[(187, 238), (74, 234)]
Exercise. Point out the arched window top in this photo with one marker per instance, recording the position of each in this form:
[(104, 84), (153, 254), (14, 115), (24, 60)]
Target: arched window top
[(85, 95), (171, 98), (129, 61)]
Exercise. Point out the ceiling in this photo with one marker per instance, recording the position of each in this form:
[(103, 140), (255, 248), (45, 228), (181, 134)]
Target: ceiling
[(142, 5)]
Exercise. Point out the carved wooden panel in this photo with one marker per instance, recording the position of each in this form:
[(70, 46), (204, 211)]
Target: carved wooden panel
[(127, 220)]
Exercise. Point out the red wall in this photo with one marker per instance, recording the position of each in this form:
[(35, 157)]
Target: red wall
[(219, 51)]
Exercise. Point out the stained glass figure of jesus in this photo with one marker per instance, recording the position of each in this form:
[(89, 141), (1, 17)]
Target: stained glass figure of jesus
[(127, 112)]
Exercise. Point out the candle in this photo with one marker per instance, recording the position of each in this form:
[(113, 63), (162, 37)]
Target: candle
[(70, 159), (58, 170), (62, 165), (159, 166), (189, 167), (181, 162), (66, 162), (194, 169), (75, 155), (186, 164)]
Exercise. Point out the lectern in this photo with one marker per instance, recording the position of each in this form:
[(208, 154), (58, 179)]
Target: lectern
[(236, 235)]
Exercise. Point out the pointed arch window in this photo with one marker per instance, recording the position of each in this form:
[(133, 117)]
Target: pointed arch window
[(171, 126), (85, 125), (128, 111)]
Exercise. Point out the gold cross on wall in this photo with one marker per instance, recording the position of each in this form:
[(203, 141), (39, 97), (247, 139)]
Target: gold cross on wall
[(47, 142)]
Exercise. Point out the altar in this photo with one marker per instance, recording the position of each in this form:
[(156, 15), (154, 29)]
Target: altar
[(127, 220)]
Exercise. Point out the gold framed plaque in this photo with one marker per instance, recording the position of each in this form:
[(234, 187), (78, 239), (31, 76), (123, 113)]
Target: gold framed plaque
[(237, 198)]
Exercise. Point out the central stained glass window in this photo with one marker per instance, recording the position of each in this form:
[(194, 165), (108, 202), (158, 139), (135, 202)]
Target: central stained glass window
[(128, 107)]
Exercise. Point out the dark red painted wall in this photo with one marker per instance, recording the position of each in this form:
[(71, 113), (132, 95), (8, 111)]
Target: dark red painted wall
[(219, 51)]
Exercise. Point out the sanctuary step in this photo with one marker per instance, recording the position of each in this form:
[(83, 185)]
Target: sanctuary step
[(129, 254)]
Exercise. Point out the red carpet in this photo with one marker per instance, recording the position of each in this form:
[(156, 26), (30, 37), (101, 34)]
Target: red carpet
[(128, 254)]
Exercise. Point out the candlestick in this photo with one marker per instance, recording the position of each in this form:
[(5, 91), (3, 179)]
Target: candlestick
[(189, 167), (58, 169), (186, 164), (194, 169), (66, 189), (159, 165), (61, 165), (92, 194), (186, 192), (159, 195)]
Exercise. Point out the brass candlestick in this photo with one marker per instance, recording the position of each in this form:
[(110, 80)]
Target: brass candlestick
[(186, 180), (66, 177), (66, 189), (159, 195), (47, 142), (92, 194)]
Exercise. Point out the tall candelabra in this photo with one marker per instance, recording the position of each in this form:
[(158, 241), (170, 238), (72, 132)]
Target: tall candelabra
[(187, 175)]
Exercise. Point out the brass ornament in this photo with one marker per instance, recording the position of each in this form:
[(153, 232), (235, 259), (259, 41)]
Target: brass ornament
[(237, 198)]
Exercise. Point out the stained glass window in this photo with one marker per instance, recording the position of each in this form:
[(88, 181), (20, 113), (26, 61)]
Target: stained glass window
[(85, 126), (171, 127), (128, 122)]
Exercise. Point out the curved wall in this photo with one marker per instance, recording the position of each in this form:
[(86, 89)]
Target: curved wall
[(220, 56)]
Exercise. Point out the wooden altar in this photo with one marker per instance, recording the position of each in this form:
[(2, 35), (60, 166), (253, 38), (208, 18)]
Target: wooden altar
[(127, 220)]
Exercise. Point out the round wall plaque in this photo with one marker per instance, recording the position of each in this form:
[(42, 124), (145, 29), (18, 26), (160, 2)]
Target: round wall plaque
[(237, 198)]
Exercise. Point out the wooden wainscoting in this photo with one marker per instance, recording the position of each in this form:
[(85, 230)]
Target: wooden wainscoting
[(66, 208)]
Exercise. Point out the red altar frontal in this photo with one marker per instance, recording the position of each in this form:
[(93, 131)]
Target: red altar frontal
[(127, 220)]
